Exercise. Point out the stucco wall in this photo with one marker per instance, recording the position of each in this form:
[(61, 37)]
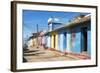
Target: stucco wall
[(70, 43), (62, 40), (89, 43), (76, 44), (48, 41)]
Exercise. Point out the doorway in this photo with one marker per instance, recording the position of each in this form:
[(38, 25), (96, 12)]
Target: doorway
[(65, 41), (84, 39), (54, 41)]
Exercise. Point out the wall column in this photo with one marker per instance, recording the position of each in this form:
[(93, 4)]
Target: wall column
[(61, 42), (48, 41), (52, 41), (56, 42), (68, 42), (89, 43)]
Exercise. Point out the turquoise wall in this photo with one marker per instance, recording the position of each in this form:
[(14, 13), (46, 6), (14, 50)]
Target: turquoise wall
[(65, 40), (89, 43), (62, 42), (76, 44)]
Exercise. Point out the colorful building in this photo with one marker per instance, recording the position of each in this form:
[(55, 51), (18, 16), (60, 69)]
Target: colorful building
[(32, 41), (37, 40), (74, 37)]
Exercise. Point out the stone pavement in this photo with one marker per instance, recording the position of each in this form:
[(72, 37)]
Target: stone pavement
[(41, 55)]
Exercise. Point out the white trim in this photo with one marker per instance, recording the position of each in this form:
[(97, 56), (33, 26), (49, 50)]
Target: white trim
[(21, 65)]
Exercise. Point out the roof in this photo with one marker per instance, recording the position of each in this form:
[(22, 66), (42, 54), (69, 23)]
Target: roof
[(34, 35), (72, 23)]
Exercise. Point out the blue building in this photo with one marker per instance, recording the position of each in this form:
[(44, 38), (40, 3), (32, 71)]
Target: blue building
[(74, 37)]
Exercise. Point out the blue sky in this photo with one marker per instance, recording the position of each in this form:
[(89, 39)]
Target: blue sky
[(31, 18)]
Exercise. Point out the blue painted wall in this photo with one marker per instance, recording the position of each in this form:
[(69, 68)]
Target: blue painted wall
[(89, 40), (76, 44), (89, 43), (58, 42), (65, 40), (62, 39)]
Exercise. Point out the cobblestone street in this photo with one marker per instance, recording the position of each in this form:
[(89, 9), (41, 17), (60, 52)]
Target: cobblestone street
[(41, 55)]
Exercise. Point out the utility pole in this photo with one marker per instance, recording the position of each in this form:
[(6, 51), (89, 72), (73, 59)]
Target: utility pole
[(37, 36)]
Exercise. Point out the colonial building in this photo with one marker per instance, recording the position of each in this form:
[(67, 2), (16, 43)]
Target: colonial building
[(74, 36), (32, 41), (36, 40)]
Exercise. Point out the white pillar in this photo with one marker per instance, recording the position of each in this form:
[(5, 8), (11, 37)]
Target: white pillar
[(50, 27), (48, 41), (68, 42), (61, 42)]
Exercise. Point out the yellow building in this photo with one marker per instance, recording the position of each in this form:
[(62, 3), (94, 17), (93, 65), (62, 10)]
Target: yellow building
[(54, 40)]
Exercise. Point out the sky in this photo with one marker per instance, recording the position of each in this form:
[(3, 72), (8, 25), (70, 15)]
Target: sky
[(32, 18)]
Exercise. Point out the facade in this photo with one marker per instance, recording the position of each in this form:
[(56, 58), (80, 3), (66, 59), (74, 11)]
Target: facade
[(37, 40), (32, 41), (74, 37)]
